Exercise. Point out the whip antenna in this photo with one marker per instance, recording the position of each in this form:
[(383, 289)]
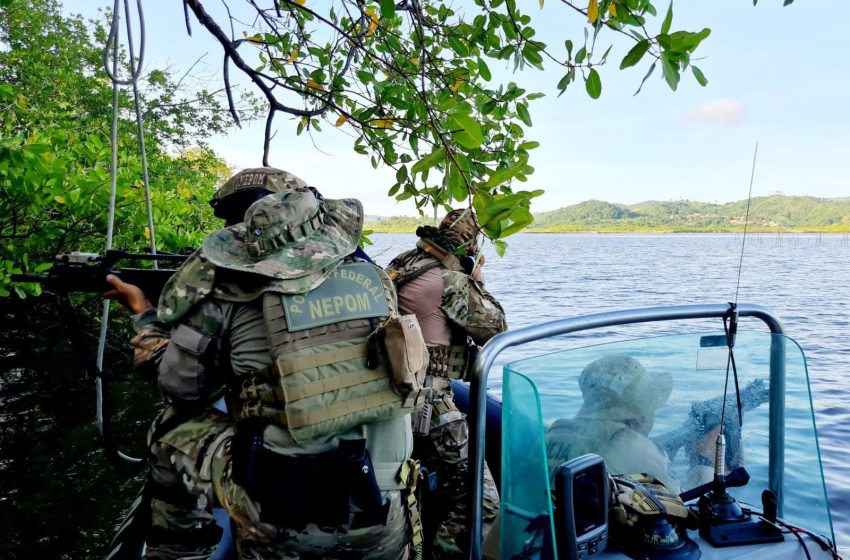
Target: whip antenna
[(732, 330), (723, 522), (746, 220)]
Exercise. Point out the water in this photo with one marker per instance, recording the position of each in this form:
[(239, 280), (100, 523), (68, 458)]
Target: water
[(801, 278)]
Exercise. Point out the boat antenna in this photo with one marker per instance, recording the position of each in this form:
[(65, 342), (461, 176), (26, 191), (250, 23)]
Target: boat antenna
[(719, 510), (746, 221), (731, 331)]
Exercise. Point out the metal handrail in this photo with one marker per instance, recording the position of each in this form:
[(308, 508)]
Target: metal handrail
[(499, 343)]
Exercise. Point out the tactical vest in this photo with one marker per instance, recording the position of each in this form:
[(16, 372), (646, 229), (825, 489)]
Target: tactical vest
[(328, 375), (445, 361)]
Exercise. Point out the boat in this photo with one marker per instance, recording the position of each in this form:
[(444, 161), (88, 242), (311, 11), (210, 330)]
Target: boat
[(777, 438), (776, 442)]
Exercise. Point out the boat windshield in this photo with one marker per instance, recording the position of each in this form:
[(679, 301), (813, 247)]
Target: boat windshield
[(652, 405)]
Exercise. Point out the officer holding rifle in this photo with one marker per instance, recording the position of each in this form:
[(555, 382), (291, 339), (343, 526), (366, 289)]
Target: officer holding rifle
[(313, 457)]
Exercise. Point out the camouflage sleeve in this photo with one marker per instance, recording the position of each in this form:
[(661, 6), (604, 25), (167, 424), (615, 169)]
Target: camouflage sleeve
[(149, 343), (471, 308)]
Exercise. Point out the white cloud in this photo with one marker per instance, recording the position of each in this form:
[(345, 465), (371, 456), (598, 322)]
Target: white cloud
[(725, 111)]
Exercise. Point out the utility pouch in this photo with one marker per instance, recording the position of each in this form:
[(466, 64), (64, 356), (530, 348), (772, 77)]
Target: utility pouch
[(406, 352), (247, 449), (365, 494)]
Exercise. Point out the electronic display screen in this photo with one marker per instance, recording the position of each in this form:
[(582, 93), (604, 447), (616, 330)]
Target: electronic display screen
[(588, 499)]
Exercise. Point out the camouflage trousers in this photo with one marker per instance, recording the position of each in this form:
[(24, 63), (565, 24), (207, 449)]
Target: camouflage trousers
[(194, 458), (444, 451), (182, 524)]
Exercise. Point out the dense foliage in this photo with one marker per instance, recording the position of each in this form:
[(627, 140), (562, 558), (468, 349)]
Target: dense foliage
[(412, 81), (55, 118), (60, 497)]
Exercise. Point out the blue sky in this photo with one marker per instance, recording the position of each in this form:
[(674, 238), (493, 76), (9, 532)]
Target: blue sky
[(776, 75)]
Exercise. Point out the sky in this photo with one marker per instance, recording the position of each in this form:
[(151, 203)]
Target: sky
[(777, 76)]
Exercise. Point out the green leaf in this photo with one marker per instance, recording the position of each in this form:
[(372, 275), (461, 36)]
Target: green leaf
[(580, 55), (635, 54), (531, 54), (703, 81), (564, 82), (668, 19), (671, 72), (465, 130), (483, 70), (458, 46), (434, 158), (569, 46), (593, 84), (522, 113), (387, 8), (456, 184), (645, 78), (528, 145), (503, 175), (401, 174), (501, 247)]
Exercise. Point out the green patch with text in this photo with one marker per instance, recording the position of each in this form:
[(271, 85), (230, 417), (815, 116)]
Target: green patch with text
[(353, 291)]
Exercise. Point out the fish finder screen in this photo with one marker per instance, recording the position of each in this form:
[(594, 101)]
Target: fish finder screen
[(588, 498)]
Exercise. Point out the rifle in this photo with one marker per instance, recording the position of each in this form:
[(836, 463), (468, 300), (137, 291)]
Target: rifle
[(705, 416), (86, 272)]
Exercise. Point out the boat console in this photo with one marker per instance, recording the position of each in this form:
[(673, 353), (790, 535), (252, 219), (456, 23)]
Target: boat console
[(652, 411)]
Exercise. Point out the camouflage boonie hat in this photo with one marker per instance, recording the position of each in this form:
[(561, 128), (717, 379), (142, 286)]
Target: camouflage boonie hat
[(462, 226), (268, 178), (620, 381), (288, 236)]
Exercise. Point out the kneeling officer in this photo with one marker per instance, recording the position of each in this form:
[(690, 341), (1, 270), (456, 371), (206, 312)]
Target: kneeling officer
[(319, 462)]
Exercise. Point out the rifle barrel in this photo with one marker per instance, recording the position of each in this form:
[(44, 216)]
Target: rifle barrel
[(29, 278)]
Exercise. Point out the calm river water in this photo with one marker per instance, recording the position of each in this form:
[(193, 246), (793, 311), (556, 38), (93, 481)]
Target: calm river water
[(801, 278)]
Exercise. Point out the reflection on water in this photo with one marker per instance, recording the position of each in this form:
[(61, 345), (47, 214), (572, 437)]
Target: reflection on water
[(801, 278)]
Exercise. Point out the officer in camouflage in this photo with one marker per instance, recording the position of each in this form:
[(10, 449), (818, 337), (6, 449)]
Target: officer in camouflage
[(618, 412), (181, 526), (318, 461), (441, 283)]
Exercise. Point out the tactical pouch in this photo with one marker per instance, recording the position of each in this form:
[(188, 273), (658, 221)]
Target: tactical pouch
[(406, 352), (190, 378), (448, 361)]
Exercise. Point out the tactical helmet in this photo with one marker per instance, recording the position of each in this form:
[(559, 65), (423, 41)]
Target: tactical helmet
[(462, 226), (618, 381), (244, 188)]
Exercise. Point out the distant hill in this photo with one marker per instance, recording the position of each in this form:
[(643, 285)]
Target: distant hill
[(767, 214)]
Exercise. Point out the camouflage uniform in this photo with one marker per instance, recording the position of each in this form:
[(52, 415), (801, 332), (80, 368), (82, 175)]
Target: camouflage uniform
[(181, 523), (214, 314), (441, 431)]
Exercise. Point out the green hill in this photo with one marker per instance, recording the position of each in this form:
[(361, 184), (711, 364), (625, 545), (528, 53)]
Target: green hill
[(767, 214)]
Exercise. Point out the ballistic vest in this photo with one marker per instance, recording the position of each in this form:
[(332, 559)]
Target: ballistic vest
[(445, 361), (328, 374)]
